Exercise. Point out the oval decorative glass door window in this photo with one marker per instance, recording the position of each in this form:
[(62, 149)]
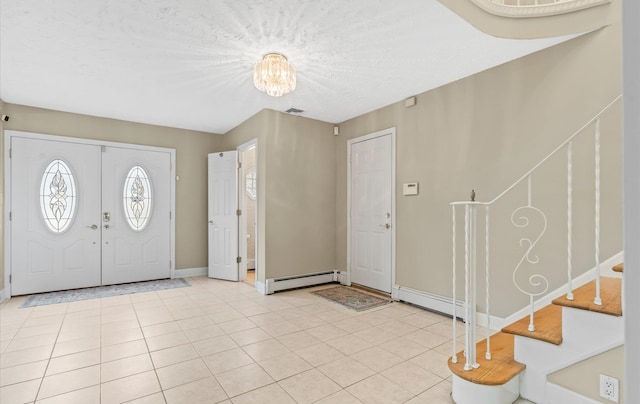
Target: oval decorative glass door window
[(137, 197), (58, 196)]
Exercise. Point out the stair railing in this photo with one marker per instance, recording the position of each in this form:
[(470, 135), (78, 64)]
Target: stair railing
[(521, 218)]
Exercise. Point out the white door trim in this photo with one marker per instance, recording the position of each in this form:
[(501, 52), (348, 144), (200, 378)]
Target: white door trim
[(11, 134), (386, 132), (243, 217)]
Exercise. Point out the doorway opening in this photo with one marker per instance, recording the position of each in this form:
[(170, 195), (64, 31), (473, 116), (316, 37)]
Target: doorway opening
[(233, 219), (249, 205)]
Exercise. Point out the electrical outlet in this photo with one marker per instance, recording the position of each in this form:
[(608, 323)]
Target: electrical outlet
[(609, 388)]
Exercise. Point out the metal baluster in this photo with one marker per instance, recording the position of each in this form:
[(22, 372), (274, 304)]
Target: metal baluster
[(597, 299), (570, 220), (486, 267), (531, 327)]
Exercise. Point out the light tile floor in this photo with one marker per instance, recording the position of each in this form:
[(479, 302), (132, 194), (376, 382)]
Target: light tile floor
[(222, 342)]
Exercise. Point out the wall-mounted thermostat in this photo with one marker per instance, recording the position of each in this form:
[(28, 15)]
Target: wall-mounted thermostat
[(410, 188)]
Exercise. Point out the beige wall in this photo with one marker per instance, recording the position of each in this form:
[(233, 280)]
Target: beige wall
[(584, 377), (296, 192), (484, 132), (191, 159)]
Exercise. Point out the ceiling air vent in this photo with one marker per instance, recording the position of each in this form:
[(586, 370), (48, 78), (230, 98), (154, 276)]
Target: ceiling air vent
[(294, 111)]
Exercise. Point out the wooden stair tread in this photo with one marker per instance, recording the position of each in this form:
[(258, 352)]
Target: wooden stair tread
[(548, 323), (497, 371), (619, 267), (610, 293)]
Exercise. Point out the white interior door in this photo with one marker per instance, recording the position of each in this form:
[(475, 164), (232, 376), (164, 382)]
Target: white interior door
[(136, 215), (371, 212), (55, 212), (223, 219)]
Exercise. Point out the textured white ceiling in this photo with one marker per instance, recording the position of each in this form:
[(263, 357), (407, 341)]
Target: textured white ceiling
[(188, 63)]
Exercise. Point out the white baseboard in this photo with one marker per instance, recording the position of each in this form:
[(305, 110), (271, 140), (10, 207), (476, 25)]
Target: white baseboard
[(555, 394), (261, 287), (3, 296), (189, 272), (276, 284), (427, 300)]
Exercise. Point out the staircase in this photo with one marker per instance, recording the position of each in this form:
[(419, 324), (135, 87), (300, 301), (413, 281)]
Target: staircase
[(567, 331), (579, 323)]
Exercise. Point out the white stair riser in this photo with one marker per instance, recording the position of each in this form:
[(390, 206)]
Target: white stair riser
[(588, 328), (532, 384), (465, 392), (584, 334)]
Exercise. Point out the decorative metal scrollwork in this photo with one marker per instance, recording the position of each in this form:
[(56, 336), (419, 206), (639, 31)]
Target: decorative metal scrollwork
[(521, 218)]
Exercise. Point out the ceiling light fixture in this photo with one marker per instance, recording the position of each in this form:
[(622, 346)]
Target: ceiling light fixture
[(274, 75)]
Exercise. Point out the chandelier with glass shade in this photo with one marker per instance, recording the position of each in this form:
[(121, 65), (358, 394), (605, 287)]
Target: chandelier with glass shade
[(274, 75)]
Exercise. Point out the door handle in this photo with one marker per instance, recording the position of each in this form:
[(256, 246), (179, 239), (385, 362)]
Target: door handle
[(386, 225), (106, 226), (210, 222), (93, 226)]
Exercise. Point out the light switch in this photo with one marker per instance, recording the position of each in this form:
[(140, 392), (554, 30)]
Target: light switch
[(410, 188)]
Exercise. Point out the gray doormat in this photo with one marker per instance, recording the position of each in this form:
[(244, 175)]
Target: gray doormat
[(351, 298), (75, 295)]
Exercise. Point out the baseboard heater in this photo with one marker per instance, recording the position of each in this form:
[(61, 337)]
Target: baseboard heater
[(299, 281), (429, 301)]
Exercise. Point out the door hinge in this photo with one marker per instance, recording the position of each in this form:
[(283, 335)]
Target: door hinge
[(169, 215), (239, 260), (10, 277), (10, 150), (103, 149), (238, 212), (239, 164), (10, 216), (170, 263)]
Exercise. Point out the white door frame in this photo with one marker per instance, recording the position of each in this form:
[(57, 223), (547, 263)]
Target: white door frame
[(11, 134), (386, 132), (242, 224)]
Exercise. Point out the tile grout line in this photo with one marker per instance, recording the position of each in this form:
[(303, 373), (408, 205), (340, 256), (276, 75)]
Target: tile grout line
[(155, 371)]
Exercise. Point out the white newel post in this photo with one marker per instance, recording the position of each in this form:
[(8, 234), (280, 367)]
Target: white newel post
[(454, 357), (470, 287)]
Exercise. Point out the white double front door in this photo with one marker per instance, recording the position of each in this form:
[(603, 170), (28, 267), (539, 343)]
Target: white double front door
[(87, 215)]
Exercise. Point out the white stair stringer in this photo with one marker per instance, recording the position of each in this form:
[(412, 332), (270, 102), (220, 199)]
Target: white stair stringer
[(466, 392), (584, 334)]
